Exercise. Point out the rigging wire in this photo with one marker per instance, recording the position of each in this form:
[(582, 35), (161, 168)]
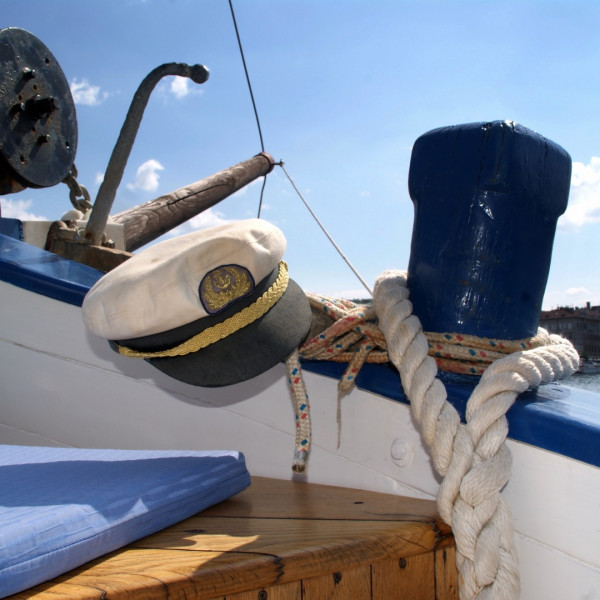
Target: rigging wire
[(237, 33), (339, 250), (262, 145), (260, 135)]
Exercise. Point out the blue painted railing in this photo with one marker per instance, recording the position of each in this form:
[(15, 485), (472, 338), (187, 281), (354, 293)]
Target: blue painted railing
[(555, 417), (42, 272)]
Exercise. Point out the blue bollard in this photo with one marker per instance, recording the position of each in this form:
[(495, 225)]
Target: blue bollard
[(487, 197)]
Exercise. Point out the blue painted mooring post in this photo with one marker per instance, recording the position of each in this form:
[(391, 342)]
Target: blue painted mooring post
[(487, 197)]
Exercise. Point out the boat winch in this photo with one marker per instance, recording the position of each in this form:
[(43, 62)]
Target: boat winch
[(38, 125)]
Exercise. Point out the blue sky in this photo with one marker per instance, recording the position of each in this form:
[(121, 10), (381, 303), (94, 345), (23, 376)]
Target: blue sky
[(343, 89)]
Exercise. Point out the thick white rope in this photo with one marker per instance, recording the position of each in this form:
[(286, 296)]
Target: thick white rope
[(473, 457)]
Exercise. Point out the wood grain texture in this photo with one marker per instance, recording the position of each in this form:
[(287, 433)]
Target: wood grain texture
[(405, 577), (286, 591), (146, 222), (282, 539), (97, 257), (446, 576), (339, 585), (269, 498)]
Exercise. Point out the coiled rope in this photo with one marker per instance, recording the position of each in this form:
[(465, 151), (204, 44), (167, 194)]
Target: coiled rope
[(473, 458), (352, 335)]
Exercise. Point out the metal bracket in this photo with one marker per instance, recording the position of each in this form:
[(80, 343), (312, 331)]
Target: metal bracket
[(122, 149)]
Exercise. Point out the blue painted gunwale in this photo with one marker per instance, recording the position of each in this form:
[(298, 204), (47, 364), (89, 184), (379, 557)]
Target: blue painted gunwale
[(554, 417), (44, 273)]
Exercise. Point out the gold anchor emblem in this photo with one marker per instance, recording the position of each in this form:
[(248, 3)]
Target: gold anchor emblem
[(223, 286)]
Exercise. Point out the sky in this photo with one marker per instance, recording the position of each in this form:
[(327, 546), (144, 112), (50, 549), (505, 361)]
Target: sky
[(343, 88)]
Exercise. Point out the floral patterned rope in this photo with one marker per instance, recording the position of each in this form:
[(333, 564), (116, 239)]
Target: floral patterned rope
[(354, 337), (301, 410)]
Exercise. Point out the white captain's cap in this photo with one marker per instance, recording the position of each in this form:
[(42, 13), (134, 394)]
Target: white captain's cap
[(212, 307)]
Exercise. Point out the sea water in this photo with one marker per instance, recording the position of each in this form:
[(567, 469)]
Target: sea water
[(591, 383)]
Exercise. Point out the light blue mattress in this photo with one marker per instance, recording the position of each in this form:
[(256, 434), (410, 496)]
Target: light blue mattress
[(61, 507)]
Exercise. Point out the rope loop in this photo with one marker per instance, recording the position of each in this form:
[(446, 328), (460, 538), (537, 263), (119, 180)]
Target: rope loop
[(353, 337), (473, 457)]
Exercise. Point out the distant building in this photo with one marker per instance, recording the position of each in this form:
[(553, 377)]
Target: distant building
[(580, 325)]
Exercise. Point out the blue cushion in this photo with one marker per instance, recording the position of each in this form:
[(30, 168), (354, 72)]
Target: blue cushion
[(61, 507)]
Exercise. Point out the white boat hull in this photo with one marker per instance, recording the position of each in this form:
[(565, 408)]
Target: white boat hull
[(63, 386)]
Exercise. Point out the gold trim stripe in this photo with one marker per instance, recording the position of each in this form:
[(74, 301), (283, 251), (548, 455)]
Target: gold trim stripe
[(221, 330)]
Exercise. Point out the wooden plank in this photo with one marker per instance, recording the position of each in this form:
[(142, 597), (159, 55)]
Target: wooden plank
[(161, 575), (301, 547), (148, 221), (339, 585), (446, 576), (268, 498), (98, 257), (288, 591), (409, 578), (276, 533)]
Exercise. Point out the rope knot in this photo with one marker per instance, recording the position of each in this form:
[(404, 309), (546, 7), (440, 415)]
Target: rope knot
[(473, 458), (350, 335)]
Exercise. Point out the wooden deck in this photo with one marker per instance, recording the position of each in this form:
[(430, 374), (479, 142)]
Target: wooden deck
[(280, 540)]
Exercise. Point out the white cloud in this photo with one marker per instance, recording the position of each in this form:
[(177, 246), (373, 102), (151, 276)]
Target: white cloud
[(206, 219), (19, 209), (99, 178), (243, 191), (181, 87), (147, 176), (578, 291), (584, 198), (263, 207), (573, 296), (85, 93)]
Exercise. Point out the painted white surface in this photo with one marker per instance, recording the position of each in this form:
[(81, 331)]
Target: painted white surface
[(36, 232), (60, 385), (549, 574)]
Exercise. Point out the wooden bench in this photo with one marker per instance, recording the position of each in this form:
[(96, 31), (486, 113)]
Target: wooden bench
[(280, 540)]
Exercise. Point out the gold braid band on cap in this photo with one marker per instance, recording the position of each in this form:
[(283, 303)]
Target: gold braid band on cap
[(221, 330)]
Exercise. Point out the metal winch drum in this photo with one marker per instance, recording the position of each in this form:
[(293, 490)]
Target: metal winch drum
[(38, 125)]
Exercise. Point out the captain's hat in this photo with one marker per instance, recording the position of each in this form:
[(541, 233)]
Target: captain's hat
[(210, 308)]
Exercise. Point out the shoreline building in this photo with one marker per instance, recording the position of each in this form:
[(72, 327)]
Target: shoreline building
[(580, 325)]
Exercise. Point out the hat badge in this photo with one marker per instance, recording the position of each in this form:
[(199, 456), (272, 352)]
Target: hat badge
[(223, 286)]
